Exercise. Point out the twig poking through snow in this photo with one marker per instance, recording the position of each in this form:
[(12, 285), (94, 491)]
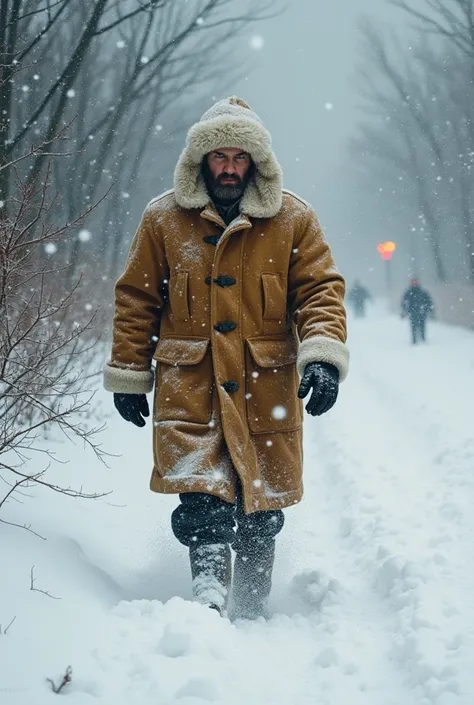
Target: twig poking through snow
[(32, 585), (67, 678), (8, 627)]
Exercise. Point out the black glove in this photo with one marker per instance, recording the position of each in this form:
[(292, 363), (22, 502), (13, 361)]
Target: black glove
[(324, 379), (132, 407)]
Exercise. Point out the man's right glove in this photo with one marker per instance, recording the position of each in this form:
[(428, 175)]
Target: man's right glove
[(132, 407)]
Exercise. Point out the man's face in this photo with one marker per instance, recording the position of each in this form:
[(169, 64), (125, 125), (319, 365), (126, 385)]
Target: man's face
[(229, 171)]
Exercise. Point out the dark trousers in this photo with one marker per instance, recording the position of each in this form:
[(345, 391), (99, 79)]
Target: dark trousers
[(204, 519), (418, 328)]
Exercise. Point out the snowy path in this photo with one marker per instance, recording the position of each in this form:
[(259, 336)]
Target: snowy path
[(374, 581)]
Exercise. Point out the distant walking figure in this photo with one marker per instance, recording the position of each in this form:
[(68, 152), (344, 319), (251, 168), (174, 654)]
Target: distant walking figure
[(417, 304), (357, 298)]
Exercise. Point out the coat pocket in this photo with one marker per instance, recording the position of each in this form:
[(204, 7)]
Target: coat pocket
[(179, 296), (184, 380), (274, 297), (271, 385)]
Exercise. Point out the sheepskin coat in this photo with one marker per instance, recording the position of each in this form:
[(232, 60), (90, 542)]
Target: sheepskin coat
[(230, 315)]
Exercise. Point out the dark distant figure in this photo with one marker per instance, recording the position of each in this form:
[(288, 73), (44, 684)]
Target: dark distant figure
[(357, 297), (417, 304)]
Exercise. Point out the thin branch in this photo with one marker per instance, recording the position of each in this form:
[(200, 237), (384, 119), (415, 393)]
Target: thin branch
[(67, 678), (35, 589), (26, 527), (5, 631)]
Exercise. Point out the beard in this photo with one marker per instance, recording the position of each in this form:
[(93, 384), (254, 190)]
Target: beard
[(225, 193)]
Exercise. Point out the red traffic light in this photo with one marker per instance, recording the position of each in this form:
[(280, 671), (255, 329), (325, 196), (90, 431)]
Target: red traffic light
[(386, 249)]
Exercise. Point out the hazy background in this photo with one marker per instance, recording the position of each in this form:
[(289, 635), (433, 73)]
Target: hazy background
[(305, 86)]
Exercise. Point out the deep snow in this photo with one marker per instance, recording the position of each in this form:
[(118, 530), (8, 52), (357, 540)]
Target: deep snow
[(374, 583)]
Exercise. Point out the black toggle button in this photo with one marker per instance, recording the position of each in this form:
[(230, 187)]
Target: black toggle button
[(212, 239), (208, 280), (231, 386), (223, 280), (225, 326)]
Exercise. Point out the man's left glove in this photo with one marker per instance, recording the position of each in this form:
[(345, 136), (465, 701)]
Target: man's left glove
[(132, 407), (323, 378)]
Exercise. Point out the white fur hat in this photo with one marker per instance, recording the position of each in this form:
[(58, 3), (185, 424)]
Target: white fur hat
[(230, 123)]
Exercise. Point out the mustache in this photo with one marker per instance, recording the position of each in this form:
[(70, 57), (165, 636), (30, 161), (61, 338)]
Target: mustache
[(234, 177)]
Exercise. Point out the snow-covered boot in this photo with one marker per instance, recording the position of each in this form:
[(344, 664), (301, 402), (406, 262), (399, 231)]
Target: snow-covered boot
[(211, 570), (253, 569)]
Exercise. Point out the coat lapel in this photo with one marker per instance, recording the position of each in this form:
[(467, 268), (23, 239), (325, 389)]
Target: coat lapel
[(240, 223)]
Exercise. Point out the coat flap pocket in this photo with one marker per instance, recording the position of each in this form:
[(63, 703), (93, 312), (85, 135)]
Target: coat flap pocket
[(181, 351), (269, 352)]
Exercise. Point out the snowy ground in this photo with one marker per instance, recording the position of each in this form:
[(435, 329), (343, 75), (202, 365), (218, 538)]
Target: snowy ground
[(374, 585)]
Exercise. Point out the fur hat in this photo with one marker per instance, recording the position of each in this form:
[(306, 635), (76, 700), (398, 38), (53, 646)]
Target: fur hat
[(230, 123)]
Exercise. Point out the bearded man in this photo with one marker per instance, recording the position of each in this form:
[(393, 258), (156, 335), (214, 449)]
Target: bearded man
[(230, 286)]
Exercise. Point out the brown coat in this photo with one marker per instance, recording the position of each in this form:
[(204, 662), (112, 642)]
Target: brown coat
[(220, 309)]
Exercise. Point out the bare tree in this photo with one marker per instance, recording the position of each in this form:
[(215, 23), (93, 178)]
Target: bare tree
[(451, 19), (416, 112), (45, 330), (452, 23), (105, 62)]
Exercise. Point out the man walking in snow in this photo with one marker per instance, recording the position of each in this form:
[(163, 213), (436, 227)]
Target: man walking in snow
[(231, 288), (358, 296), (417, 304)]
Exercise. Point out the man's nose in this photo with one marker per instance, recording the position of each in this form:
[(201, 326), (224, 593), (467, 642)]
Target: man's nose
[(230, 168)]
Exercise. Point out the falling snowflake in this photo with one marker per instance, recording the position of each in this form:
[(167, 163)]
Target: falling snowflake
[(211, 423), (88, 307), (255, 375), (84, 235), (50, 248), (158, 128), (257, 42), (2, 203), (328, 106), (71, 93), (257, 483), (200, 21), (125, 194), (144, 59), (121, 44), (25, 89), (279, 413), (269, 443), (36, 77)]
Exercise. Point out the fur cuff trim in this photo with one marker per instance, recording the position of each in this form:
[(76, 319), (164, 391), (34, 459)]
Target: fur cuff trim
[(124, 380), (323, 349), (230, 126)]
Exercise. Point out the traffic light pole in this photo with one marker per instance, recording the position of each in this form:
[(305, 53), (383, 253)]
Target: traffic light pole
[(388, 275)]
